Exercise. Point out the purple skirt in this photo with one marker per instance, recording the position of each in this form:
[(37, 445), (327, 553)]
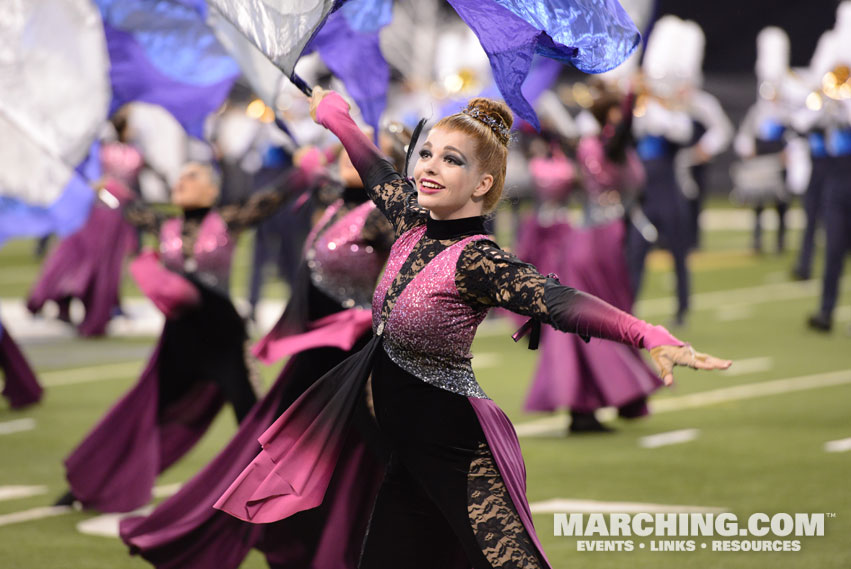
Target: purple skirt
[(87, 265), (21, 388), (185, 531), (587, 376)]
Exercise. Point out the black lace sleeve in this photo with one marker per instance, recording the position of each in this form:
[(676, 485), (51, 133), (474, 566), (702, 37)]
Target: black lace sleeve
[(397, 200), (378, 232), (488, 277), (143, 216), (258, 207)]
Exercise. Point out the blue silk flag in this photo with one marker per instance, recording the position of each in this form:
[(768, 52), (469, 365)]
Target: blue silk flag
[(348, 45), (162, 52), (594, 36)]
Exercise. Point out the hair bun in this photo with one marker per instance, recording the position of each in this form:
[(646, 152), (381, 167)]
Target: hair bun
[(494, 108)]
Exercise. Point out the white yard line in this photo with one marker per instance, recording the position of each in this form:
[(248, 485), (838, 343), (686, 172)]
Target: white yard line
[(842, 445), (749, 365), (486, 360), (17, 426), (556, 424), (166, 490), (734, 312), (743, 219), (752, 391), (761, 294), (564, 505), (16, 492), (33, 514), (106, 525), (89, 374), (670, 438)]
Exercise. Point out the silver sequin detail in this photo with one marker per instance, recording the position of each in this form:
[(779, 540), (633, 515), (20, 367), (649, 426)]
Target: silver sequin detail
[(429, 330), (341, 264), (450, 373)]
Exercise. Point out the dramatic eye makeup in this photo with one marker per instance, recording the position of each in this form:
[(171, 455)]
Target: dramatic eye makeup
[(451, 154)]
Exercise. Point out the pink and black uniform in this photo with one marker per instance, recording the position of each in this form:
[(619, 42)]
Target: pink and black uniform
[(585, 376), (88, 264), (327, 319), (454, 490), (198, 364)]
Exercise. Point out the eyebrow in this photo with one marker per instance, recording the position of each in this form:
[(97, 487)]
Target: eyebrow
[(427, 143)]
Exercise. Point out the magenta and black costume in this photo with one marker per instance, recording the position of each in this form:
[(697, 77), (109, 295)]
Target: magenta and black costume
[(571, 373), (327, 319), (20, 387), (454, 490), (88, 264), (198, 364)]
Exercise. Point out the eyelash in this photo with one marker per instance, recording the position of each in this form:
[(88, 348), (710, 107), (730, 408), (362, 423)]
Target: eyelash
[(451, 159)]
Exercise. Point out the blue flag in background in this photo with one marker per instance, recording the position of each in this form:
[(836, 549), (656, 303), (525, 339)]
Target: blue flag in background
[(354, 55), (592, 35), (367, 15), (163, 52)]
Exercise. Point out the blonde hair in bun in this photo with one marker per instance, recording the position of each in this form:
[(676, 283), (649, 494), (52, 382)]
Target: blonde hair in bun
[(488, 122)]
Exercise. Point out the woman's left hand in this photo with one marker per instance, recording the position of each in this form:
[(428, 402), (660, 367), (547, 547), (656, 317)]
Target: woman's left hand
[(666, 357)]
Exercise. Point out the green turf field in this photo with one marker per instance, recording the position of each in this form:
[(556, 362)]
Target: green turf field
[(759, 444)]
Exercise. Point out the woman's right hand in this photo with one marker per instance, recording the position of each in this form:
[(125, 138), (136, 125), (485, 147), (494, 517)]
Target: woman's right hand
[(316, 97), (666, 357)]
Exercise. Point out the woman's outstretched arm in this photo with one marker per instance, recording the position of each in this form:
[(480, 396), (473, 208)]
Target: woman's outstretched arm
[(393, 195), (488, 276)]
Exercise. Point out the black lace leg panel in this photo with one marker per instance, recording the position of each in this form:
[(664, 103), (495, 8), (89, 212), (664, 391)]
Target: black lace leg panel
[(499, 531)]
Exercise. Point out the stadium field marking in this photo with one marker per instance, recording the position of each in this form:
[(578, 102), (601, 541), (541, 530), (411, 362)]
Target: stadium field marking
[(751, 391), (548, 426), (842, 445), (89, 374), (162, 491), (669, 438), (486, 359), (33, 514), (106, 525), (564, 505), (166, 490), (749, 365), (17, 426), (15, 492), (734, 312), (760, 294)]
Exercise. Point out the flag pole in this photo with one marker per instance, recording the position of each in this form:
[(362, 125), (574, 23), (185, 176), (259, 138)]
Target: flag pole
[(301, 84)]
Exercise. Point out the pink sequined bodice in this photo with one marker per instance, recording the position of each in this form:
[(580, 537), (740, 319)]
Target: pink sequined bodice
[(342, 264), (122, 162), (430, 330), (601, 174), (211, 254), (605, 181)]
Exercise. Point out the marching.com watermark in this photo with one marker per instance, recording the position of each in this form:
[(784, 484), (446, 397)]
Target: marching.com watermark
[(762, 532)]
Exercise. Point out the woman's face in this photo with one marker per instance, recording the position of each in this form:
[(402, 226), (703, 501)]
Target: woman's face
[(194, 188), (447, 176)]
